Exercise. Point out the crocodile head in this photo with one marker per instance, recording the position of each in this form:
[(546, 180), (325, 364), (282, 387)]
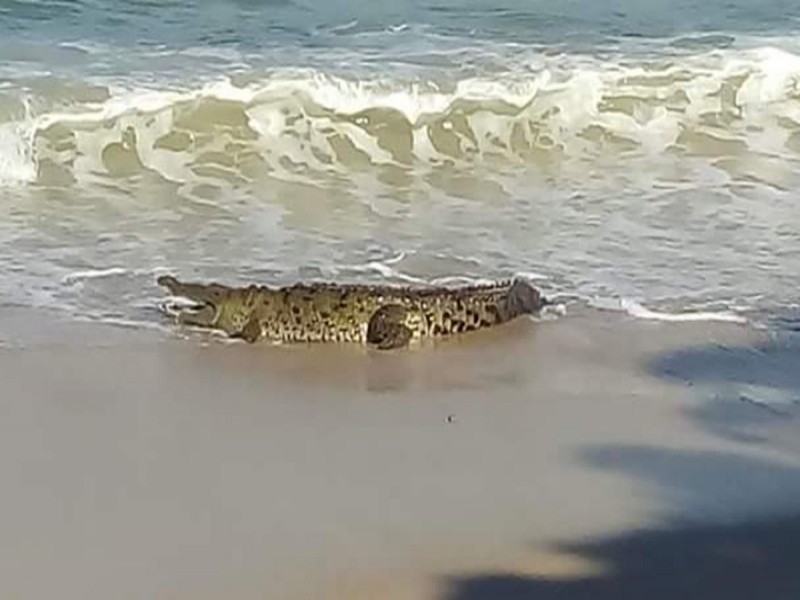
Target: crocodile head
[(213, 306)]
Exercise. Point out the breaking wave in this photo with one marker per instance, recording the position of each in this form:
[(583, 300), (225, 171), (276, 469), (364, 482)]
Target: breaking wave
[(739, 110)]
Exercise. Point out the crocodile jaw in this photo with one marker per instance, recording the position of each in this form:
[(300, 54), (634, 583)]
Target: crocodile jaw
[(192, 304)]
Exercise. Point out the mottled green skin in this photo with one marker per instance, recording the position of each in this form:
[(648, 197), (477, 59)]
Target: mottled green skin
[(380, 316)]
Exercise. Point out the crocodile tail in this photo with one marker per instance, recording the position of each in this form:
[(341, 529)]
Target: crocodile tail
[(523, 298)]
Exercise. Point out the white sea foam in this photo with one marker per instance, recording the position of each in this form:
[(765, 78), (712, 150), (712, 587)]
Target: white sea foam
[(17, 157), (640, 312), (79, 276), (531, 275), (456, 280), (388, 272), (732, 103)]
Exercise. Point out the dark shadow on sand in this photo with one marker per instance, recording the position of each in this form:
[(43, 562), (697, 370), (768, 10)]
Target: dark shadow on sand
[(731, 522), (774, 364), (741, 391), (713, 545), (743, 562), (701, 486)]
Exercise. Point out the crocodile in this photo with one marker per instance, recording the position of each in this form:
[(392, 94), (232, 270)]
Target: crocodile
[(379, 316)]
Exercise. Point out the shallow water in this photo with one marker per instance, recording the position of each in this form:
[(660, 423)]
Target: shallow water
[(634, 154)]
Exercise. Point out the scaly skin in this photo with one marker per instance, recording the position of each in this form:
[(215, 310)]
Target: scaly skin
[(383, 317)]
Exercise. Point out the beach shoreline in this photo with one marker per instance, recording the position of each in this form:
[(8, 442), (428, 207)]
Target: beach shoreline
[(138, 464)]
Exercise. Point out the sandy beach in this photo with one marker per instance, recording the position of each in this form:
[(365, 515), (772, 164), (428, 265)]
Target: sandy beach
[(590, 456), (638, 162)]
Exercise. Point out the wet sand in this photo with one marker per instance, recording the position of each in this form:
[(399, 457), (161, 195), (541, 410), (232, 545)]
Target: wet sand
[(511, 464)]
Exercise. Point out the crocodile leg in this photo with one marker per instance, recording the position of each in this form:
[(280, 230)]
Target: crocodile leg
[(386, 330), (251, 331)]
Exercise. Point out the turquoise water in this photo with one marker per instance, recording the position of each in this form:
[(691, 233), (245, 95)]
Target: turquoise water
[(622, 153), (335, 24)]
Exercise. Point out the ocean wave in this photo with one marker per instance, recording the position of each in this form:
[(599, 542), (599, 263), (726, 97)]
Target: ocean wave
[(737, 109)]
